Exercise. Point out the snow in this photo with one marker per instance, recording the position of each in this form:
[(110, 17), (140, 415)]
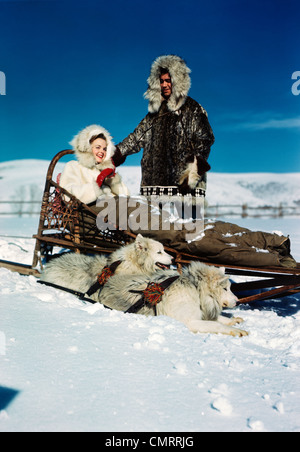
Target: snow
[(70, 366)]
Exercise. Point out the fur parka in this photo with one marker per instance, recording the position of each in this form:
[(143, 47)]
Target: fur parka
[(80, 177), (175, 135)]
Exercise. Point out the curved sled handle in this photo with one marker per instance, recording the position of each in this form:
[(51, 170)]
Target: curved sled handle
[(54, 161)]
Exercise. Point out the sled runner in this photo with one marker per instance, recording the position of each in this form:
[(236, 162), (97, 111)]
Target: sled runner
[(67, 223)]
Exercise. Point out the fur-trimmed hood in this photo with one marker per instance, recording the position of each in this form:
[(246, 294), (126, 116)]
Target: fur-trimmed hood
[(83, 150), (181, 83)]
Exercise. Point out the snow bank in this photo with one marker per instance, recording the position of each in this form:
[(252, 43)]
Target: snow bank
[(77, 367), (69, 366)]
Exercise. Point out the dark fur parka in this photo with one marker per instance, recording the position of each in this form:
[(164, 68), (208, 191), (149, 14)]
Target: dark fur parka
[(174, 134)]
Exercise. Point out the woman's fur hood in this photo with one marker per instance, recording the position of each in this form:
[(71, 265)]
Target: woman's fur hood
[(83, 150), (181, 83)]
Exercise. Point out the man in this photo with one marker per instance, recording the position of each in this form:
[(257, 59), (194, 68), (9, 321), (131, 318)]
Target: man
[(175, 135)]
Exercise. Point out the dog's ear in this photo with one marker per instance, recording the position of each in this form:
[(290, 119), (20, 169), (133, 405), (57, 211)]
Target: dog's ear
[(139, 238), (140, 244), (224, 280)]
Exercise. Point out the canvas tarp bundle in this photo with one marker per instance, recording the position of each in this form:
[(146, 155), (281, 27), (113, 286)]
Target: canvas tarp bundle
[(228, 243), (219, 242)]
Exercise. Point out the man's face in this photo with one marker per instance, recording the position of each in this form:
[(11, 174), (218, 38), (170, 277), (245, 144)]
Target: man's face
[(166, 85)]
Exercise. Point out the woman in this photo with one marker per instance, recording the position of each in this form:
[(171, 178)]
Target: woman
[(93, 174)]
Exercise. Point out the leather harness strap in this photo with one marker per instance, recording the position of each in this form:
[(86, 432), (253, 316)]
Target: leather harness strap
[(103, 277), (151, 296)]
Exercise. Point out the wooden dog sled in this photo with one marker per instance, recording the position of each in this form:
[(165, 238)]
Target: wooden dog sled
[(71, 225)]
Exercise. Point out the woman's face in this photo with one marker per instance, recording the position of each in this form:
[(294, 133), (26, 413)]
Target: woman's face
[(99, 149)]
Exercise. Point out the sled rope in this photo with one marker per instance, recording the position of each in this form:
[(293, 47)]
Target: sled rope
[(78, 294), (152, 295)]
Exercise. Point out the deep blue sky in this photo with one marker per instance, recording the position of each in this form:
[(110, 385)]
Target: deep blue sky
[(71, 63)]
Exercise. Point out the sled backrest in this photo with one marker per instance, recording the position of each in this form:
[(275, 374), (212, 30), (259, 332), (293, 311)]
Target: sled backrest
[(56, 213), (68, 223)]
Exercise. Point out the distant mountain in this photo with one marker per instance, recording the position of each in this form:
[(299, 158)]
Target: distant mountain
[(254, 189), (25, 180)]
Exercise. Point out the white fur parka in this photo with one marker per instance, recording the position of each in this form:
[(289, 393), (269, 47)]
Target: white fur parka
[(79, 177)]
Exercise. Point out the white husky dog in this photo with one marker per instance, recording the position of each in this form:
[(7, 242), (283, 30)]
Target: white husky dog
[(144, 256), (196, 298), (79, 272)]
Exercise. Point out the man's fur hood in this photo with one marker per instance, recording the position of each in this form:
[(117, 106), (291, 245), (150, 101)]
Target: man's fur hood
[(180, 78), (83, 150)]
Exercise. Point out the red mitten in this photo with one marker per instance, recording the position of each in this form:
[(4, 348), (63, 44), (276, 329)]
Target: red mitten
[(108, 172)]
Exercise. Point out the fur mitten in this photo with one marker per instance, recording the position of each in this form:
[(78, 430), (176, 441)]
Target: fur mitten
[(118, 158), (192, 174)]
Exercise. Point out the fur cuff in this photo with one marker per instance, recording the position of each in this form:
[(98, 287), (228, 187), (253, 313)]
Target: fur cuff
[(113, 181), (105, 165), (190, 175)]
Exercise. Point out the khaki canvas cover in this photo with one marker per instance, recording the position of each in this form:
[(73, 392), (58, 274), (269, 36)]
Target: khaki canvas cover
[(228, 243), (218, 241)]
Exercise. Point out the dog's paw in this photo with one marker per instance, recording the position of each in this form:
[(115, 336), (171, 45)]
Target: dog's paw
[(236, 320), (239, 333)]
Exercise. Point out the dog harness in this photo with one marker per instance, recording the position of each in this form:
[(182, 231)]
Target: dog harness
[(152, 295), (103, 277)]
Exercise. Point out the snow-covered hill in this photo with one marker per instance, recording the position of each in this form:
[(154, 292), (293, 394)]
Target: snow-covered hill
[(25, 179), (254, 189)]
